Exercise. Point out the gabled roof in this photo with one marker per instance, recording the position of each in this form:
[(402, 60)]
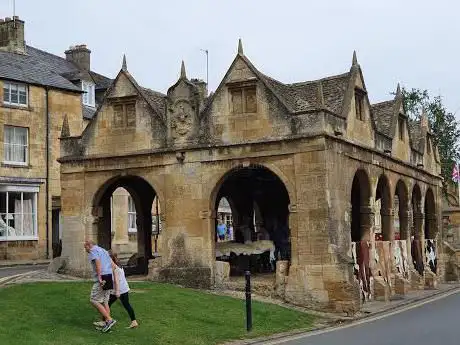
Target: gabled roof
[(384, 114), (42, 68), (416, 136), (327, 93)]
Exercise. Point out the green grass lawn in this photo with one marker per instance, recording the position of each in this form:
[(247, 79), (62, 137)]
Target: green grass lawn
[(60, 314)]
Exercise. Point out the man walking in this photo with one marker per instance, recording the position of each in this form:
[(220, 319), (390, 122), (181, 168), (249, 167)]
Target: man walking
[(100, 293), (221, 230)]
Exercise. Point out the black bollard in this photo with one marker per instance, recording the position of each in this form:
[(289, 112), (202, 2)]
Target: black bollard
[(247, 275)]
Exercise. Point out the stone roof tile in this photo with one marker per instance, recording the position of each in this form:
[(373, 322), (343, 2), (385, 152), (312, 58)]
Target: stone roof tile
[(384, 113), (303, 96), (42, 68)]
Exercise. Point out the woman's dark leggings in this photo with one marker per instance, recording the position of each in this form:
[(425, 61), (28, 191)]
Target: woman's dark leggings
[(124, 299)]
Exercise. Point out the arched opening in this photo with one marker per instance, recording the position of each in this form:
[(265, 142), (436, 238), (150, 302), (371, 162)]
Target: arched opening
[(401, 204), (430, 230), (124, 208), (259, 235), (416, 230), (383, 211), (401, 228), (360, 208), (430, 215), (361, 223)]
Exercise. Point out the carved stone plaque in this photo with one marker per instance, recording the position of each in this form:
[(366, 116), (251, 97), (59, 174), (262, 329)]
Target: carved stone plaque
[(182, 118)]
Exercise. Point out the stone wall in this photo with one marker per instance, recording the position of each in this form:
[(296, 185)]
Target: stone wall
[(33, 117)]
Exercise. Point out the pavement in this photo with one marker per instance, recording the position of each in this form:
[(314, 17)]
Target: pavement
[(7, 271), (433, 321), (395, 322)]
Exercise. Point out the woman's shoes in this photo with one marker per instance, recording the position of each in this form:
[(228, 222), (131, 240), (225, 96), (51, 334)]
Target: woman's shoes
[(133, 324)]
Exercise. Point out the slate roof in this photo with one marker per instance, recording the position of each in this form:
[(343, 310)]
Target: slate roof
[(88, 112), (42, 68), (156, 98), (416, 136), (305, 96), (384, 114)]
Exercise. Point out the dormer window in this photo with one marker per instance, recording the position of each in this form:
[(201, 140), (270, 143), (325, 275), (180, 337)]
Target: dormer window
[(243, 100), (359, 104), (88, 96), (401, 128), (428, 144)]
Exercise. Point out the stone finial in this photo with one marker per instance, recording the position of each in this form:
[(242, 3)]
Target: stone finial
[(183, 75), (65, 130), (398, 90), (240, 47), (354, 62), (320, 95), (124, 66), (424, 119)]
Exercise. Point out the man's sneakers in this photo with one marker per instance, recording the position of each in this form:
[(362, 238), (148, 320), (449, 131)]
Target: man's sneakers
[(109, 325)]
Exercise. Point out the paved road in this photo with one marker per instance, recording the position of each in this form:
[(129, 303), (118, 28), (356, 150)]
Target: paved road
[(10, 271), (434, 323)]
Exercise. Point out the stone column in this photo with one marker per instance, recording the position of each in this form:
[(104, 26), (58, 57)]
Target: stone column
[(120, 216), (387, 224)]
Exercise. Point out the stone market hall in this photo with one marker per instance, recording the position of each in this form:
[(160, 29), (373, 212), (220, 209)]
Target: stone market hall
[(334, 201)]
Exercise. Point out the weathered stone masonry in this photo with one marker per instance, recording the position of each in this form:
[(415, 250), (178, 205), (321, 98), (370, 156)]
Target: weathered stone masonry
[(335, 153)]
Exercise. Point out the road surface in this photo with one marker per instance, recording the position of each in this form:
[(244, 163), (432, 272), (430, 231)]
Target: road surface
[(434, 323), (11, 271)]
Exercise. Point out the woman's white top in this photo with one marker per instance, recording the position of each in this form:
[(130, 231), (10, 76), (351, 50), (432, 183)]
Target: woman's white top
[(122, 283)]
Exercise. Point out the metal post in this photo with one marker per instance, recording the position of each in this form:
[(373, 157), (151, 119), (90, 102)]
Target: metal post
[(247, 275), (157, 232), (207, 66)]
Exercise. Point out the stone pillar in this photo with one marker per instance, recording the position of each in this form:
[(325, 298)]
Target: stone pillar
[(367, 222), (387, 224), (76, 220), (120, 216)]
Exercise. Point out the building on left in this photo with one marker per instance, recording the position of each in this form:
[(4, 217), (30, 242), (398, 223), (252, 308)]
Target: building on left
[(41, 96)]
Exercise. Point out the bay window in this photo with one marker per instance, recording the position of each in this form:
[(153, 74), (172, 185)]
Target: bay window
[(14, 94), (15, 145), (18, 213)]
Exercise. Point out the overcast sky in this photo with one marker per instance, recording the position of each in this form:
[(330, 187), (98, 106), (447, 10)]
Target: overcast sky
[(413, 42)]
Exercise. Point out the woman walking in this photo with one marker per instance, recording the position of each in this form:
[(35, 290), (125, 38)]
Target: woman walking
[(121, 289)]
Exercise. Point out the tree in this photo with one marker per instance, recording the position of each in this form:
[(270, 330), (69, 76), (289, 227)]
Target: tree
[(443, 125)]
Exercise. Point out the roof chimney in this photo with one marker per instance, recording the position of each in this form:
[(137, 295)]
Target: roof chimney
[(80, 55), (202, 87), (12, 35)]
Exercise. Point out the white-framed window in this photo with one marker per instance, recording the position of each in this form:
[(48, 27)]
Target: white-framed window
[(88, 97), (15, 94), (132, 227), (15, 145), (18, 213)]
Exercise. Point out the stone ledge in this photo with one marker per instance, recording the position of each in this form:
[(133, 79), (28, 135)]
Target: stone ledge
[(194, 277)]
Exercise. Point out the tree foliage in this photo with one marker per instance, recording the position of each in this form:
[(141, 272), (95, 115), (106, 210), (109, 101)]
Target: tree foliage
[(443, 125)]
